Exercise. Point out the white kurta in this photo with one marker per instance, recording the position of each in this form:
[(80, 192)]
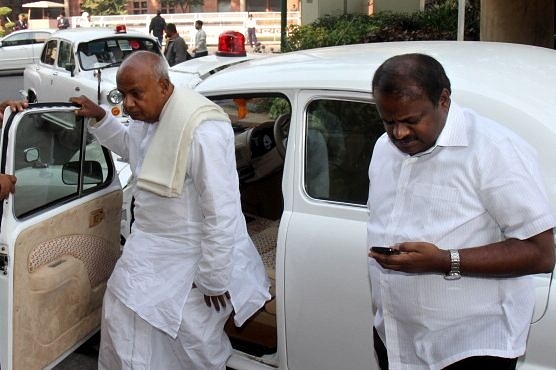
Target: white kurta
[(199, 237), (479, 184)]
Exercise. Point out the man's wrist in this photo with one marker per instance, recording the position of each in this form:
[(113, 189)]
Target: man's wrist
[(455, 270)]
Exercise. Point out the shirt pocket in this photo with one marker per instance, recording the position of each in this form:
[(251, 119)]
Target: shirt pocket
[(435, 207)]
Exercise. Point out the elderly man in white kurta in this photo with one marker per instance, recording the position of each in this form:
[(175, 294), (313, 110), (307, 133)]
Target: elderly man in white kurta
[(189, 255)]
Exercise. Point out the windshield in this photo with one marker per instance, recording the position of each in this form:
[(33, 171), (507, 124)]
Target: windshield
[(111, 51)]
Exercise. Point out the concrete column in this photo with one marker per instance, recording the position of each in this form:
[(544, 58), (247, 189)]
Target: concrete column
[(528, 22)]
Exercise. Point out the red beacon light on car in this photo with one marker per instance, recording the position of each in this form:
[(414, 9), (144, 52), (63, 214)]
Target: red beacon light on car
[(121, 28), (231, 44)]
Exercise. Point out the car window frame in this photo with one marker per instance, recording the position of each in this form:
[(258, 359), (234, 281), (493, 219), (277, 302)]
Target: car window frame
[(82, 189)]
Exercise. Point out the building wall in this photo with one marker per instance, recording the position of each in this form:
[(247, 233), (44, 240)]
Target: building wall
[(311, 10), (407, 6)]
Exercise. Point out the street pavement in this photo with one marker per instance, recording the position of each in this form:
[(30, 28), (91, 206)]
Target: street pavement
[(83, 358)]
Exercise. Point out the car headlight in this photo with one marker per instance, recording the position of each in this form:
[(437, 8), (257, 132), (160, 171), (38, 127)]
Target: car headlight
[(115, 97)]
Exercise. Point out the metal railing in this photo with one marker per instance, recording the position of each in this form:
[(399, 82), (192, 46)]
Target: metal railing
[(268, 23)]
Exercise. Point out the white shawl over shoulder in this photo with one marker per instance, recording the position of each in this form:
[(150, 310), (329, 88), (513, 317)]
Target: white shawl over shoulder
[(164, 167)]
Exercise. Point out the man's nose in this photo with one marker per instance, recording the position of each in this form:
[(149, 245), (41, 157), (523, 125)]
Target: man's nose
[(400, 130)]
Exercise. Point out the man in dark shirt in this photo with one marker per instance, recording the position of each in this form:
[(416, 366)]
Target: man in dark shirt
[(63, 22), (176, 48), (157, 27)]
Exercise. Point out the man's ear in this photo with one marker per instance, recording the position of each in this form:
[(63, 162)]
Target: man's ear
[(165, 84), (444, 100)]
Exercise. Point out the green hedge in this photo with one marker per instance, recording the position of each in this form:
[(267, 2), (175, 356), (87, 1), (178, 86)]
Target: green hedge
[(437, 22)]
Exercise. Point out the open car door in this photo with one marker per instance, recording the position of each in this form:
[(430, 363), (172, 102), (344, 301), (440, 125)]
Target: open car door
[(59, 236)]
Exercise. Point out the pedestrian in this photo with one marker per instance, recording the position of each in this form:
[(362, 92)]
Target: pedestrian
[(7, 182), (85, 20), (157, 27), (21, 23), (460, 200), (62, 21), (251, 26), (176, 48), (200, 49), (188, 262)]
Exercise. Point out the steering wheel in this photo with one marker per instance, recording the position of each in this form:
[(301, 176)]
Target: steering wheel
[(281, 129)]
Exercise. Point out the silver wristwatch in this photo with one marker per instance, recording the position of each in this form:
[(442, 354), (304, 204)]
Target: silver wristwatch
[(454, 273)]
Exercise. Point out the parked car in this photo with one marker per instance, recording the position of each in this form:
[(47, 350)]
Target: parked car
[(84, 61), (305, 126), (20, 48)]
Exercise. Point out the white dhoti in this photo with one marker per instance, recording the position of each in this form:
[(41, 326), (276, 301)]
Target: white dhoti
[(129, 342)]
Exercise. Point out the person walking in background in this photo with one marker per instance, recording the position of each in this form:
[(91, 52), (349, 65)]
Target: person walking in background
[(200, 49), (176, 48), (62, 21), (21, 23), (157, 27), (251, 26), (85, 20), (461, 202), (189, 262)]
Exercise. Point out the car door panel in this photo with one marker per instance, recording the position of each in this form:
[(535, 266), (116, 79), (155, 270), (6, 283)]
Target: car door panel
[(61, 266), (324, 271), (61, 251)]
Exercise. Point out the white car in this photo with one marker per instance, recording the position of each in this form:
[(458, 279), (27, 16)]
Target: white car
[(84, 61), (20, 48), (305, 125)]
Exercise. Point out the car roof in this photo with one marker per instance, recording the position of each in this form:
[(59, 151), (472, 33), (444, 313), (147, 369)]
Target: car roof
[(33, 30), (78, 35), (351, 67)]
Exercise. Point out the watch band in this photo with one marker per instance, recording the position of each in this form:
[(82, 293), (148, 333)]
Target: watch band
[(455, 272)]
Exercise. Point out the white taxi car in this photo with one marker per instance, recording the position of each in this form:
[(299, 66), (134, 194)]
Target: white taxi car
[(305, 125), (21, 48)]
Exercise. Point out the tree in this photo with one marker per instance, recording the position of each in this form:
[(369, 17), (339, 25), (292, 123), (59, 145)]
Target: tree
[(6, 24), (104, 7), (183, 4), (528, 22)]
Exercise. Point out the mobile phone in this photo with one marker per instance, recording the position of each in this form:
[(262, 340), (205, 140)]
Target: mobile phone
[(385, 250)]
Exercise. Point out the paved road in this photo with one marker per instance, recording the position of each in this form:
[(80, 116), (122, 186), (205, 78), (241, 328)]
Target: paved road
[(84, 358)]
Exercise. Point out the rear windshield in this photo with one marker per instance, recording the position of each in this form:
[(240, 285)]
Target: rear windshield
[(111, 51)]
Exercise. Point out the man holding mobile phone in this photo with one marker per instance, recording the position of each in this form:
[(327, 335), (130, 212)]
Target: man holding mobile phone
[(462, 200)]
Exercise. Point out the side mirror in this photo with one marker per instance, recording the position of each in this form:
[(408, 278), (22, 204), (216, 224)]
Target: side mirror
[(32, 155), (92, 172), (70, 67)]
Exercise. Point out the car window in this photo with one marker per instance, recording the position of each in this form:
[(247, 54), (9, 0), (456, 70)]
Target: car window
[(253, 119), (18, 39), (65, 55), (41, 37), (99, 53), (47, 163), (50, 52), (340, 137)]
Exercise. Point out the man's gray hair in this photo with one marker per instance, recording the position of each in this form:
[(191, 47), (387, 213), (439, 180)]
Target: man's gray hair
[(159, 63)]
